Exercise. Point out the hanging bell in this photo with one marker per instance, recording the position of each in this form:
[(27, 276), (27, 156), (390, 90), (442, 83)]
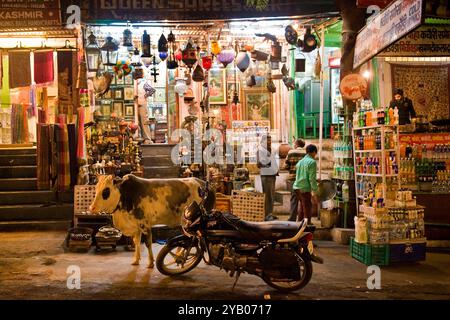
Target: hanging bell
[(198, 75), (242, 61)]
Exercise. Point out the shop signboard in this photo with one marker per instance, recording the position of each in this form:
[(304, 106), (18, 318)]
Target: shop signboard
[(367, 3), (29, 14), (425, 138), (398, 19), (424, 41), (147, 10)]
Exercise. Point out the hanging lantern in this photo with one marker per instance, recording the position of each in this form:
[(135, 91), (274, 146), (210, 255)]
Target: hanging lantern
[(189, 55), (110, 52), (146, 49), (128, 40), (171, 37), (178, 55), (242, 61), (180, 86), (172, 63), (92, 54), (207, 63), (163, 44), (215, 47), (198, 74), (138, 72), (226, 57), (276, 52)]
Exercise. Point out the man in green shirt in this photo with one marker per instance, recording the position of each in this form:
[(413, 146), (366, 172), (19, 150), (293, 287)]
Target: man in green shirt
[(305, 184)]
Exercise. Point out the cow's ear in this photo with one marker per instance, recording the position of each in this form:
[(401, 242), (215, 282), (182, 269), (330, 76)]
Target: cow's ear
[(117, 181)]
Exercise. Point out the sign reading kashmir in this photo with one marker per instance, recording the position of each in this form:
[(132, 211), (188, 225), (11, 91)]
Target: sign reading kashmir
[(145, 10), (399, 18), (425, 41), (29, 13), (425, 138)]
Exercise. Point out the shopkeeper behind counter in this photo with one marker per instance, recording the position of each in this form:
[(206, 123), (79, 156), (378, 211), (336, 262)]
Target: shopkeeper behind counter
[(405, 107)]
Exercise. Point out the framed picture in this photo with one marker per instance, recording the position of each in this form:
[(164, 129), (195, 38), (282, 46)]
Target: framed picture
[(129, 79), (119, 81), (106, 109), (108, 94), (118, 108), (257, 105), (128, 93), (118, 94), (160, 94), (231, 87), (129, 110), (217, 86)]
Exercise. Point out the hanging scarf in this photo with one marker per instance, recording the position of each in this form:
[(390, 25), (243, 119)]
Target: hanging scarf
[(67, 75), (62, 138), (5, 93), (43, 156), (19, 69), (43, 67), (81, 147)]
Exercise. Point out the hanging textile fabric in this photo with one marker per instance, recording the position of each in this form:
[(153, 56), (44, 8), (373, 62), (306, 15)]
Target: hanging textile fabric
[(43, 156), (19, 69), (19, 124), (67, 76), (62, 139), (43, 67), (32, 107), (5, 93), (1, 70), (72, 134), (42, 104), (81, 143)]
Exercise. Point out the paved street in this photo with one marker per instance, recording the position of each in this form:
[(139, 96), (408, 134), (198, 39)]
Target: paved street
[(33, 265)]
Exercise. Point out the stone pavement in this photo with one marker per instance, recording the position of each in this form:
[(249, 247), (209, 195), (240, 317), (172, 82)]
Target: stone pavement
[(33, 265)]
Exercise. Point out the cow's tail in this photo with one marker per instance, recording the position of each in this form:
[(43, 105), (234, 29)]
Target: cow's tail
[(210, 200)]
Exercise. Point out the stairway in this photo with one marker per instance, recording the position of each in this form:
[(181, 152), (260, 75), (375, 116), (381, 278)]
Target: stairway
[(22, 206), (157, 161)]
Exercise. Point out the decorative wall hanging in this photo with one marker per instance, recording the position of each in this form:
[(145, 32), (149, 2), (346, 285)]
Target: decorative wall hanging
[(149, 90), (243, 60), (257, 105), (122, 68), (217, 80), (288, 81), (291, 35), (309, 41)]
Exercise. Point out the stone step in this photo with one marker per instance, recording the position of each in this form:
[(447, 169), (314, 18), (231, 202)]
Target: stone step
[(157, 161), (13, 226), (36, 212), (18, 160), (157, 150), (161, 172), (21, 184), (17, 151), (18, 172), (27, 197)]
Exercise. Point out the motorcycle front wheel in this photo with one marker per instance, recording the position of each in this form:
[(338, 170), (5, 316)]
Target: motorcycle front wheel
[(174, 260), (305, 269)]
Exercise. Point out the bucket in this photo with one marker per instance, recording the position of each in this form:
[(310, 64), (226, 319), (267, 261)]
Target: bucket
[(328, 218)]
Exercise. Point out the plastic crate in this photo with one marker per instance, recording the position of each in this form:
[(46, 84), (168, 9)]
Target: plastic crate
[(370, 254), (83, 197), (408, 252), (249, 206)]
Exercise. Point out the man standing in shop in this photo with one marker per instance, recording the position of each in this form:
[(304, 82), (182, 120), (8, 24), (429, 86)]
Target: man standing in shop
[(305, 184), (269, 171), (293, 157), (405, 107)]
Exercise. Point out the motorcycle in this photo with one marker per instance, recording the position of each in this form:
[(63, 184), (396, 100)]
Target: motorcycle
[(279, 252)]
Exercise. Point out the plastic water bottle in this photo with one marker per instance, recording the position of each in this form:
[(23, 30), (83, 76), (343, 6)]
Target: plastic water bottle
[(345, 192)]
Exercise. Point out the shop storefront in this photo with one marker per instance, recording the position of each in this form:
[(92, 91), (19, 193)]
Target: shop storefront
[(413, 55)]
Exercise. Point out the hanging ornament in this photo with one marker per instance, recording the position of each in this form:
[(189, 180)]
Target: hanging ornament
[(163, 56), (180, 86), (122, 68), (149, 90), (226, 57), (146, 49), (242, 61), (171, 37), (251, 81), (189, 55), (198, 75), (128, 40), (207, 63), (271, 86), (172, 63), (163, 44), (178, 55), (215, 47), (291, 35)]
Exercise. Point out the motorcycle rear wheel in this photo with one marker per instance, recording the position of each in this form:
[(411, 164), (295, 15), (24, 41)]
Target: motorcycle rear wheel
[(305, 267), (176, 257)]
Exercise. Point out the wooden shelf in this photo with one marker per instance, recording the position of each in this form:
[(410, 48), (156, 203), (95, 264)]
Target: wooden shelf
[(376, 150), (375, 175), (375, 127)]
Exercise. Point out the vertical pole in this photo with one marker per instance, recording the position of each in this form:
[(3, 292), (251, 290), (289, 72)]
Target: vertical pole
[(322, 55)]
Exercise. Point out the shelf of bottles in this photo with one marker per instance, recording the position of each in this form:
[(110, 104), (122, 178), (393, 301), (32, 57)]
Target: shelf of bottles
[(376, 154), (425, 167)]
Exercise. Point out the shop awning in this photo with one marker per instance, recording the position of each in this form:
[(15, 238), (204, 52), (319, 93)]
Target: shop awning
[(97, 11), (333, 35)]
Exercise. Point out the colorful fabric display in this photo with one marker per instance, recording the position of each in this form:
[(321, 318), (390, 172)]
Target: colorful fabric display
[(19, 69), (43, 67)]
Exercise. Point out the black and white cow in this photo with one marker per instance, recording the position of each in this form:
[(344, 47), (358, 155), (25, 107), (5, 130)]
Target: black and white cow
[(137, 204)]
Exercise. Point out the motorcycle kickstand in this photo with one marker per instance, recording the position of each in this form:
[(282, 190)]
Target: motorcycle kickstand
[(238, 274)]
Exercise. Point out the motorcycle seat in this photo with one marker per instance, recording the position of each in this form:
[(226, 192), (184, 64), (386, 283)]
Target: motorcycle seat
[(271, 230)]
